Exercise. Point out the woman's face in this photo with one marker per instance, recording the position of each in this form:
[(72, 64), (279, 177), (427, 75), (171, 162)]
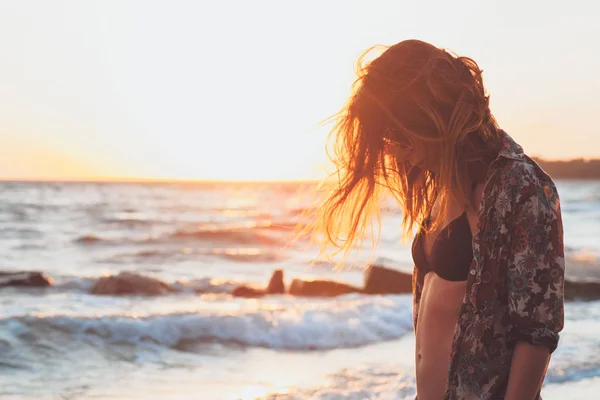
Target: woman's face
[(420, 154)]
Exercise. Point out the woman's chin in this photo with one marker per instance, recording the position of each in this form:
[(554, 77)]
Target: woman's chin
[(419, 165), (423, 165)]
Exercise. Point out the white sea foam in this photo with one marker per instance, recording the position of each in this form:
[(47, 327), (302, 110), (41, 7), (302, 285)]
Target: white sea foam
[(351, 322)]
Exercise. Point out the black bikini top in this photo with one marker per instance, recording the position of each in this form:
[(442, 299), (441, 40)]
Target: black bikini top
[(452, 251), (451, 254)]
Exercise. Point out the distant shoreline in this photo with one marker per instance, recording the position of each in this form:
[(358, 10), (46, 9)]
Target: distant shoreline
[(575, 169), (571, 169)]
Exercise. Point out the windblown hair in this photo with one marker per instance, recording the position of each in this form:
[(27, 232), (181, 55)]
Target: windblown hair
[(421, 94)]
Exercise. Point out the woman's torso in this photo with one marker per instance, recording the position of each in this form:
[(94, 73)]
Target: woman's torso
[(441, 299)]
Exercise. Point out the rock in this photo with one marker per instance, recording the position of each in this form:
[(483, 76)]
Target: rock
[(88, 239), (276, 285), (130, 283), (381, 280), (320, 288), (248, 292), (582, 290), (25, 278)]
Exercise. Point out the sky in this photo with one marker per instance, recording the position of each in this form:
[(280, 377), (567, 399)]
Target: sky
[(235, 90)]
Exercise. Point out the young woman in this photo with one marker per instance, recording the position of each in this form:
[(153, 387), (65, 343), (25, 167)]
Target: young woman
[(488, 252)]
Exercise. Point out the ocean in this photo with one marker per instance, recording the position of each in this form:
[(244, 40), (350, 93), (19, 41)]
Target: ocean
[(201, 343)]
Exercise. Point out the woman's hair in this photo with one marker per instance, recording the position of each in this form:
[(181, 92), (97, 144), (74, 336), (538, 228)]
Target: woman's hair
[(412, 93)]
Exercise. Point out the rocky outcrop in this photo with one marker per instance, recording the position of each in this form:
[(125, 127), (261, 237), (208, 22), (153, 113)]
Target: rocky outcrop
[(275, 286), (320, 288), (377, 280), (25, 278), (127, 283), (249, 292), (382, 280)]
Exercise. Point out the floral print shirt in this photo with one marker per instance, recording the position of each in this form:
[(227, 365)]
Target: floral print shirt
[(516, 279)]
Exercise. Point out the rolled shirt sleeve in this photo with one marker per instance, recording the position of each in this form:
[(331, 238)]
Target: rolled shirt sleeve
[(536, 268)]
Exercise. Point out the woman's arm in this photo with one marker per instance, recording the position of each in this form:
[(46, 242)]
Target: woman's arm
[(527, 371), (535, 281)]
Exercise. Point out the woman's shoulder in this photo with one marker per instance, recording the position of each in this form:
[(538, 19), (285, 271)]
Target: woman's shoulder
[(516, 172), (521, 181)]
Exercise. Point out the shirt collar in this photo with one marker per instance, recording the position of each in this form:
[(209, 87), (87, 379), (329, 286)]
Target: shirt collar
[(511, 149)]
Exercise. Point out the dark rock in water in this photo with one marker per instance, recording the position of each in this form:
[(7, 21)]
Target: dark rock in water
[(248, 292), (276, 285), (321, 288), (25, 278), (88, 239), (582, 290), (381, 280), (127, 283)]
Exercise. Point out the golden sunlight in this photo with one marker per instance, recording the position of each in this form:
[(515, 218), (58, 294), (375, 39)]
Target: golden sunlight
[(39, 162), (221, 96)]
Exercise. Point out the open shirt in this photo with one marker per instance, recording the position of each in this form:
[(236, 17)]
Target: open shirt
[(515, 284)]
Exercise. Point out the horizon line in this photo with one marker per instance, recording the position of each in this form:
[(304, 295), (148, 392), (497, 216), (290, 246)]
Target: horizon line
[(124, 179)]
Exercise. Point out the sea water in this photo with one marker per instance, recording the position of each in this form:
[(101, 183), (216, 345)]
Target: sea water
[(199, 342)]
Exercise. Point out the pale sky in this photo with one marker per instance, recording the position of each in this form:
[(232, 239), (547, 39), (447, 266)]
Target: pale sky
[(235, 89)]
